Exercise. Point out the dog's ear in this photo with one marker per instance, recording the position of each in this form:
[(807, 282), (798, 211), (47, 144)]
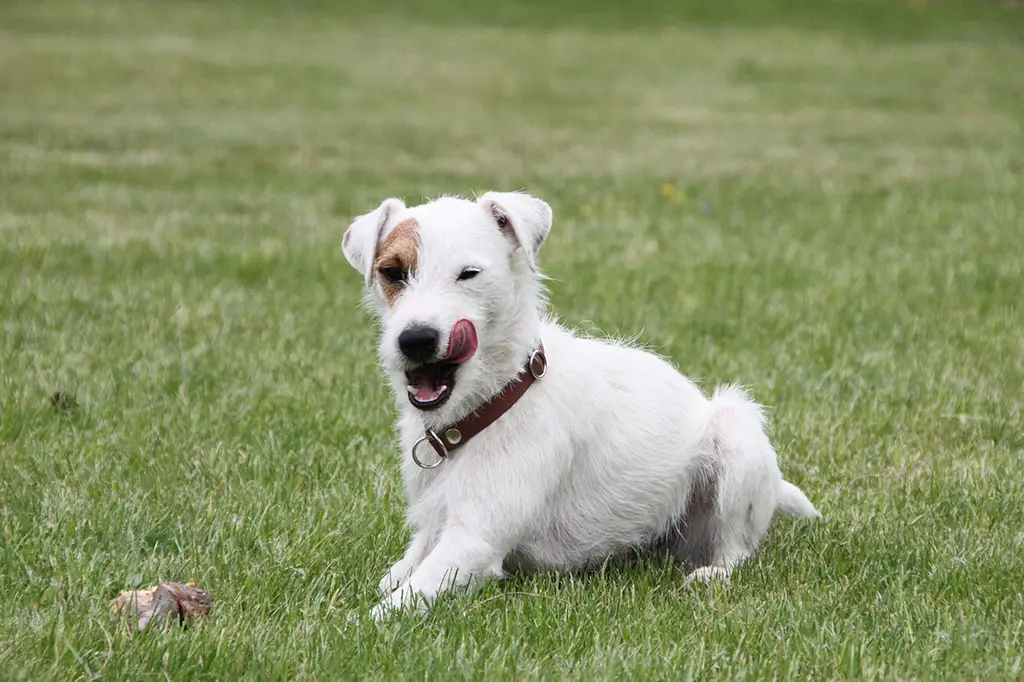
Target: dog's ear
[(525, 220), (363, 236)]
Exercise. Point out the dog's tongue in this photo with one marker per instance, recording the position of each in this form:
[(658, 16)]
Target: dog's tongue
[(461, 342), (427, 393), (426, 383)]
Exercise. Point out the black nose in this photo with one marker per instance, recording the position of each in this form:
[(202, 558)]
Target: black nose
[(419, 343)]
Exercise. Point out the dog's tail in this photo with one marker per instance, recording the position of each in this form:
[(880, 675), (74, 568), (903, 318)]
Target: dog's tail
[(734, 403), (793, 502)]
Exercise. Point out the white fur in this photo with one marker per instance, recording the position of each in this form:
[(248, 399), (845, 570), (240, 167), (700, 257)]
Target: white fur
[(602, 455)]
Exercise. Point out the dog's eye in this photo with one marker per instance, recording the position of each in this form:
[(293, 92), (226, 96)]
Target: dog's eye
[(468, 273), (393, 274)]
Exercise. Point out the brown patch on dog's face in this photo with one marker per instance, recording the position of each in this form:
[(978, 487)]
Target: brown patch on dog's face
[(398, 255)]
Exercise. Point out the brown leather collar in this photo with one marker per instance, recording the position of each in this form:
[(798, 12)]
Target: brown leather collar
[(458, 434)]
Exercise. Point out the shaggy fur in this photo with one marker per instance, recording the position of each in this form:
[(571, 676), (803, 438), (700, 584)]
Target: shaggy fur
[(611, 451)]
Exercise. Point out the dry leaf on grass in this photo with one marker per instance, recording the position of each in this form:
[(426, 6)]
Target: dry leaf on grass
[(163, 601)]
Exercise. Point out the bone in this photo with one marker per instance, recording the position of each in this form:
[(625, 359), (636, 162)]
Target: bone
[(163, 602)]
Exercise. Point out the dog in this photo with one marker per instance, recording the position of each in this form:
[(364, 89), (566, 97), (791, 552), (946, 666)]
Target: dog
[(526, 446)]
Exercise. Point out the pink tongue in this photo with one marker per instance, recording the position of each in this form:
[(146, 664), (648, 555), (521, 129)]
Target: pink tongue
[(426, 394), (462, 342)]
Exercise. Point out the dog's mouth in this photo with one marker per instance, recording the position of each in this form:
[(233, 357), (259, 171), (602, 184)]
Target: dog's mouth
[(431, 384)]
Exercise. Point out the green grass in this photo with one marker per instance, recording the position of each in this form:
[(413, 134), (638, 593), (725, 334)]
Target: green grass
[(820, 200)]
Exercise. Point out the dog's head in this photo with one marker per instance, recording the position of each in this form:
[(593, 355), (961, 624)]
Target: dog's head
[(455, 285)]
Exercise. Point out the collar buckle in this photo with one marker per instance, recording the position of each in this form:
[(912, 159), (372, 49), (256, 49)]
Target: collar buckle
[(538, 364), (437, 445)]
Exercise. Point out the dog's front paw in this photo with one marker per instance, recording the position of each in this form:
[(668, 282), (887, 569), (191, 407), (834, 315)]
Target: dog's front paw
[(381, 612), (401, 600), (389, 583), (394, 578)]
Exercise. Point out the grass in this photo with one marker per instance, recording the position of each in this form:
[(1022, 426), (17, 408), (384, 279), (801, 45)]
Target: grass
[(821, 202)]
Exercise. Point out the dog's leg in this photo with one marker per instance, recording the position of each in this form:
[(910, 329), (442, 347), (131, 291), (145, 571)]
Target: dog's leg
[(490, 501), (459, 560), (746, 482), (403, 568)]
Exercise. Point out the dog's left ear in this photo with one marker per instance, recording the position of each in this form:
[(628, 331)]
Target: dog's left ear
[(525, 220), (363, 236)]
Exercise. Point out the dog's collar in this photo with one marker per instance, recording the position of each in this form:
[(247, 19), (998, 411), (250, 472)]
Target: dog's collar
[(454, 436)]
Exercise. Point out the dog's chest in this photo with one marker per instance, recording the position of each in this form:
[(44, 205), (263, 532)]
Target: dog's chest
[(419, 481), (428, 493)]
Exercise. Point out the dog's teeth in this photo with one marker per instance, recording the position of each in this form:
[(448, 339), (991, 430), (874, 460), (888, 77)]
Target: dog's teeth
[(442, 389), (411, 389)]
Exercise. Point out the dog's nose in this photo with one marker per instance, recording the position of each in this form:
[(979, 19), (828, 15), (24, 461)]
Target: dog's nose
[(419, 343)]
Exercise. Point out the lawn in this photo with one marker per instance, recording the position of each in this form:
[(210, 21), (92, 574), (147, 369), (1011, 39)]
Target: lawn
[(822, 201)]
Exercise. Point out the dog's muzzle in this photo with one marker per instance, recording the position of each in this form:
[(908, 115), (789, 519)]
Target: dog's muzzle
[(431, 382)]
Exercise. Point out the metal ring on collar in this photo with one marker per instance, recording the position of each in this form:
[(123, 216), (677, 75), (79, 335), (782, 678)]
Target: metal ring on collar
[(538, 355), (430, 436)]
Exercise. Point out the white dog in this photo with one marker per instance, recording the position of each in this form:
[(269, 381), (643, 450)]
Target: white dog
[(527, 447)]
